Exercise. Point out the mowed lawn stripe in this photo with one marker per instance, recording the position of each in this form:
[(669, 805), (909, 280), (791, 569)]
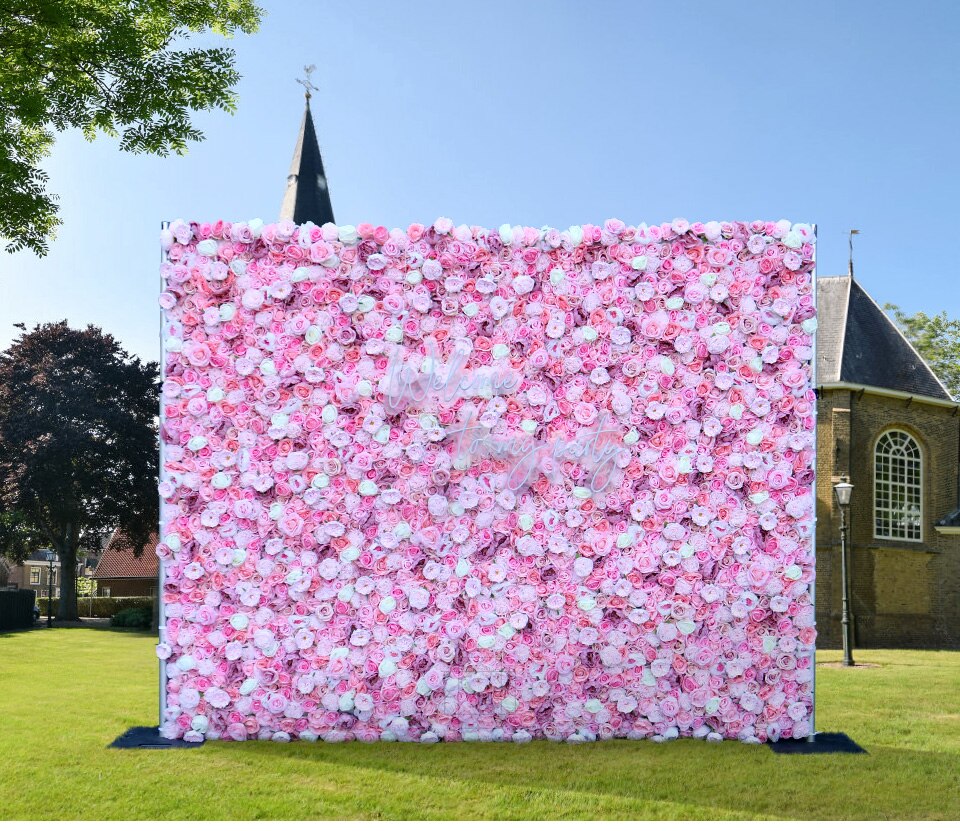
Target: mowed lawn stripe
[(66, 693)]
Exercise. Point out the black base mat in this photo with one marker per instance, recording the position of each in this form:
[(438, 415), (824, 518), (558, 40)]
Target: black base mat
[(148, 738), (822, 743)]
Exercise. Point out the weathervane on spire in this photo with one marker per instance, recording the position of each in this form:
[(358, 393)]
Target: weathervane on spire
[(307, 83)]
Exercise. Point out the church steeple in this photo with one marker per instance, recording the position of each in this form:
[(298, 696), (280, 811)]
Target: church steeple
[(307, 197)]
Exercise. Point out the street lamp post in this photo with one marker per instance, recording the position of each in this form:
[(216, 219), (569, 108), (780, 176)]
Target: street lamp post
[(844, 490), (50, 561)]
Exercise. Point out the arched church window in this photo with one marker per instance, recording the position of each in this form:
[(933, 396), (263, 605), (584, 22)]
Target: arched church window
[(897, 487)]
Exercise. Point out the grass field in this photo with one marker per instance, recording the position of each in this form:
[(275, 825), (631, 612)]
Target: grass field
[(66, 693)]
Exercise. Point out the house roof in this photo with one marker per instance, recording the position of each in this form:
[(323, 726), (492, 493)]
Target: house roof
[(41, 556), (857, 343), (307, 197), (119, 561)]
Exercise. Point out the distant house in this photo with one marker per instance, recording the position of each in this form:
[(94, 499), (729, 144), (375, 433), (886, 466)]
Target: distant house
[(886, 421), (33, 573), (120, 573)]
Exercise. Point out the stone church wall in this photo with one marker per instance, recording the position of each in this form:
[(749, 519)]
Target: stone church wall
[(904, 594)]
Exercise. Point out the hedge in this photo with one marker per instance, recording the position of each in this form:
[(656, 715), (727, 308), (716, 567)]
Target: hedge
[(102, 606)]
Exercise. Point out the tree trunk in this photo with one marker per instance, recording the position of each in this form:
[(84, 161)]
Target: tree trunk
[(68, 577)]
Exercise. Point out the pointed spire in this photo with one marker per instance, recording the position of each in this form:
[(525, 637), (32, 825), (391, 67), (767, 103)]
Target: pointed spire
[(307, 196)]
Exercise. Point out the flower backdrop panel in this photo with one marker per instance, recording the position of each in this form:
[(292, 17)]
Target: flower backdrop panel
[(452, 483)]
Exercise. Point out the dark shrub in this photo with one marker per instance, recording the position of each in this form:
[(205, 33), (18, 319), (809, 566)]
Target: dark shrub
[(132, 618)]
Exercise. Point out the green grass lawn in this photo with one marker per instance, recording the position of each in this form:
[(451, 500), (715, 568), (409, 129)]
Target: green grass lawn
[(66, 693)]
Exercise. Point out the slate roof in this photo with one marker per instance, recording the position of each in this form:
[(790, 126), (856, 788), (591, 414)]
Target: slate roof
[(41, 555), (307, 197), (858, 344), (118, 560)]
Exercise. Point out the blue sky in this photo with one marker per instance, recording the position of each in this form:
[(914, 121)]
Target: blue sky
[(841, 113)]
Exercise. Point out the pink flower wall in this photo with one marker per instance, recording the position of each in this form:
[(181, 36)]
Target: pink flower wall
[(452, 483)]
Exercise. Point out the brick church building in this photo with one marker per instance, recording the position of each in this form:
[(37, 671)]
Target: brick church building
[(887, 422)]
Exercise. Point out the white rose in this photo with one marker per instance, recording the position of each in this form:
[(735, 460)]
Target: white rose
[(523, 283), (252, 299), (498, 307), (792, 239), (712, 231)]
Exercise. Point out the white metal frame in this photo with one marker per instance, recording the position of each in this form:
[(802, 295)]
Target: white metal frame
[(161, 614), (813, 529)]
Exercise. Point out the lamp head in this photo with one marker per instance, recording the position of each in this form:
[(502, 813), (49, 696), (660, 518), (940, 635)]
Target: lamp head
[(844, 490)]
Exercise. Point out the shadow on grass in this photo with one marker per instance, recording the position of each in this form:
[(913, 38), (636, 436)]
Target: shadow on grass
[(729, 775), (124, 630), (9, 633), (39, 629)]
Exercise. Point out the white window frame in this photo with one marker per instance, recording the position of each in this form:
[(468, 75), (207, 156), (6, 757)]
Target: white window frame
[(904, 484), (39, 573)]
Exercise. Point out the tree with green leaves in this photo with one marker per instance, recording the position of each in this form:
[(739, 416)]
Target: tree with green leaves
[(78, 446), (937, 339), (122, 68), (86, 587)]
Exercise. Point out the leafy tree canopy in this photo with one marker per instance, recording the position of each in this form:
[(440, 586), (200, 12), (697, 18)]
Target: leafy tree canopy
[(118, 67), (937, 339), (78, 445)]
